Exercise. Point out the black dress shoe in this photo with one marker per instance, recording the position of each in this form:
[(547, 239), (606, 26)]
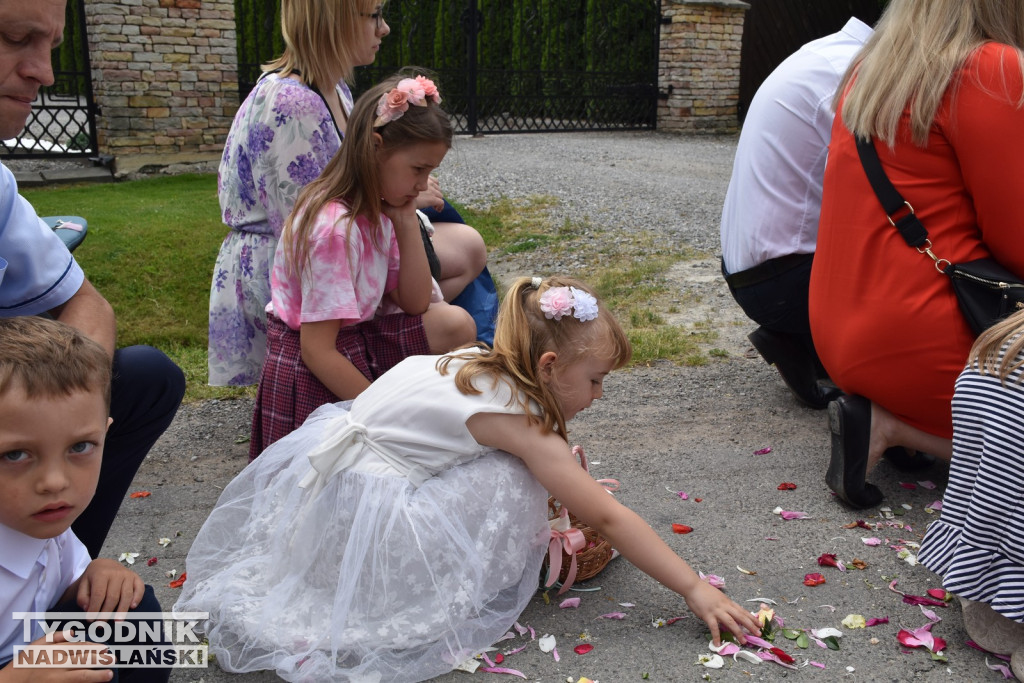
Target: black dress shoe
[(849, 418), (796, 366), (907, 461)]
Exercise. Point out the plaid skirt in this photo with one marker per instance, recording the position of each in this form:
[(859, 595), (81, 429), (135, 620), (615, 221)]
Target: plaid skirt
[(289, 391)]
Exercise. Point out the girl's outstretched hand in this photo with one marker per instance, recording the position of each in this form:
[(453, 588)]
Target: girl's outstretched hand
[(720, 613)]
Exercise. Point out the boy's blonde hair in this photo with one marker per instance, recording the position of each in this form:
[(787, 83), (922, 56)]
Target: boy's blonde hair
[(523, 334), (353, 176), (913, 57), (46, 358), (319, 37), (988, 353)]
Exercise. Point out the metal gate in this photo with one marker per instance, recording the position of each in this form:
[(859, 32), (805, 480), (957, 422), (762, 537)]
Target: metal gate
[(510, 66), (63, 118)]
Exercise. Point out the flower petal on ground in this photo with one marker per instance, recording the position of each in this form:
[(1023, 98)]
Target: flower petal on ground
[(763, 451), (583, 648), (927, 485), (875, 621), (140, 494), (813, 579), (713, 579), (178, 582), (502, 670), (681, 528), (829, 631), (569, 603), (854, 621), (872, 541), (746, 656), (612, 615), (1001, 668), (711, 661), (546, 643), (787, 486)]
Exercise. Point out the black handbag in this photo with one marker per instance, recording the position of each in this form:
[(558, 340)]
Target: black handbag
[(985, 290)]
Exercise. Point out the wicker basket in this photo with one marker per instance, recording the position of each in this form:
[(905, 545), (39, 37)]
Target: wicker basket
[(592, 559), (596, 553)]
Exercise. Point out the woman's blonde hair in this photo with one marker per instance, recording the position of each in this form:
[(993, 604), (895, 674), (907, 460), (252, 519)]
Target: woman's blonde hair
[(913, 57), (319, 39), (353, 175), (522, 334), (988, 351)]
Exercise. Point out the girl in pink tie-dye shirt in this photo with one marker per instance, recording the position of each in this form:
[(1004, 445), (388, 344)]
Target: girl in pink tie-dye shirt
[(351, 292)]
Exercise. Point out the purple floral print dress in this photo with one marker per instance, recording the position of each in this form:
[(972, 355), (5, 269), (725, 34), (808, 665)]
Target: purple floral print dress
[(281, 139)]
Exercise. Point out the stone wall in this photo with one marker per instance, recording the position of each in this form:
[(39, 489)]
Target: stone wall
[(164, 76), (699, 65)]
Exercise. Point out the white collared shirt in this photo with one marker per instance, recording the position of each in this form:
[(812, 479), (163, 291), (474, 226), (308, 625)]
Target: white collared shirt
[(34, 573), (773, 202)]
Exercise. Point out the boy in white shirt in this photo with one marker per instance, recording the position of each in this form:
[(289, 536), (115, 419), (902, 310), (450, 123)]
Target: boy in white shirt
[(54, 414)]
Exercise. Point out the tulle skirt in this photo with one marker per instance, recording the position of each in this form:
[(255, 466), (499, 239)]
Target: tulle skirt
[(371, 580)]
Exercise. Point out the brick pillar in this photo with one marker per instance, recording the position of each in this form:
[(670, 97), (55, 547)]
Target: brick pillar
[(165, 76), (699, 65)]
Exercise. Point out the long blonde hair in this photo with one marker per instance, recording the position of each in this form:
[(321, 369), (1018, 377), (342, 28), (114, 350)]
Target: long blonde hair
[(522, 335), (988, 352), (319, 36), (353, 175), (913, 57)]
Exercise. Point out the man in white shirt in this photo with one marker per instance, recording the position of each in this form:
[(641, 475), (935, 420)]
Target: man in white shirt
[(769, 224)]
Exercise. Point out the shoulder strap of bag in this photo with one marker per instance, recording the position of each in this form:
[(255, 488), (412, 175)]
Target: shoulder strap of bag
[(912, 230)]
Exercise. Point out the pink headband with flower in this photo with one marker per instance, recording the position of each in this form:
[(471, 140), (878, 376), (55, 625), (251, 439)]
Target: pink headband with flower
[(394, 103)]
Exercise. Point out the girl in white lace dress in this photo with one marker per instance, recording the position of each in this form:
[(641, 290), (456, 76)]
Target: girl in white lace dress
[(391, 537)]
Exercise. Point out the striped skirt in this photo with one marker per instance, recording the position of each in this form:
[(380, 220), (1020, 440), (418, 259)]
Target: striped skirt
[(977, 545)]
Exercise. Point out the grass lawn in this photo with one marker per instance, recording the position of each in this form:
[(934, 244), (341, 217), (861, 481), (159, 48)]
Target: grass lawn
[(152, 244)]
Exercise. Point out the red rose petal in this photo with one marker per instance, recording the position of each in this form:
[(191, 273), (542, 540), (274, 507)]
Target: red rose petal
[(813, 580), (499, 658), (150, 562), (140, 494), (786, 486), (178, 582), (583, 648), (828, 560), (697, 500), (681, 528), (781, 654)]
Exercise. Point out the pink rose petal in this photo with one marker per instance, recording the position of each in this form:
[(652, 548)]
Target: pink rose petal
[(612, 615), (569, 603), (763, 451), (502, 670), (876, 621), (1001, 668), (792, 514)]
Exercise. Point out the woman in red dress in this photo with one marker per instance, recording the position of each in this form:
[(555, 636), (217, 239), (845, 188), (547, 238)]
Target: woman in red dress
[(939, 89)]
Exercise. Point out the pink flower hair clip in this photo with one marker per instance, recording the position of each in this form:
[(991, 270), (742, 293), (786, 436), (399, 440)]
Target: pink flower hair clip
[(394, 103), (558, 301)]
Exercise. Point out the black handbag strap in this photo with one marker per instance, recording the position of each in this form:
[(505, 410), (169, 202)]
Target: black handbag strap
[(912, 230)]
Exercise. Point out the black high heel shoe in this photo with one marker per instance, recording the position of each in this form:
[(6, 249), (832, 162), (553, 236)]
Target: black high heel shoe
[(849, 419), (796, 366)]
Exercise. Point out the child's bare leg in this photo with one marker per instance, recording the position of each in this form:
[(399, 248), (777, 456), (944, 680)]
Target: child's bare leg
[(448, 327), (462, 253)]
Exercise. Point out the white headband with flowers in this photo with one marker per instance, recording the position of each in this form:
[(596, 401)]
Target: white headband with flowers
[(558, 301), (394, 103)]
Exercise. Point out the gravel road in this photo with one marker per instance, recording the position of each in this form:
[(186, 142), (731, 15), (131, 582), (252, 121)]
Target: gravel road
[(727, 433)]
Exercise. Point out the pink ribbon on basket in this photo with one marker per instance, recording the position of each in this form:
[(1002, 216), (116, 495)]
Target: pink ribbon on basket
[(563, 537)]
